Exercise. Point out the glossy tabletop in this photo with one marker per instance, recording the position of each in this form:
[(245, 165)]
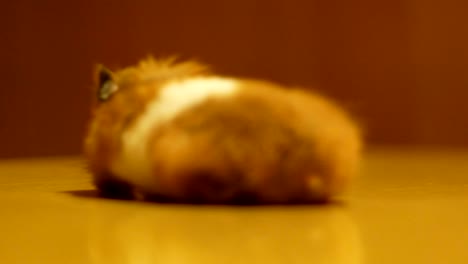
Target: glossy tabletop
[(408, 206)]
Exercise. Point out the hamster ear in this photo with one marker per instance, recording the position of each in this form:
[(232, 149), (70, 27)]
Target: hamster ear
[(106, 83)]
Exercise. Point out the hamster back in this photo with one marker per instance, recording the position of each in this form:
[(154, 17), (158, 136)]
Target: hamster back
[(173, 131)]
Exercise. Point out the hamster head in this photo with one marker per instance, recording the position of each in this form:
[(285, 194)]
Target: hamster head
[(119, 99)]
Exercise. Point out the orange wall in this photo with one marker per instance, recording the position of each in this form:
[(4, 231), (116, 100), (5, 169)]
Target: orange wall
[(400, 65)]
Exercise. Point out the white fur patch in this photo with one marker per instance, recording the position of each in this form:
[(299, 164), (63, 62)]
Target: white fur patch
[(133, 164)]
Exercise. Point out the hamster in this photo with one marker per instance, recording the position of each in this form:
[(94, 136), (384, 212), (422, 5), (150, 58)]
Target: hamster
[(168, 130)]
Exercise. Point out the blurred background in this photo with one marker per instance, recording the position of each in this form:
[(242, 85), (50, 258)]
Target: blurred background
[(401, 66)]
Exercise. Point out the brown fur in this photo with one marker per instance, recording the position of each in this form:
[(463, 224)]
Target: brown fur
[(268, 144)]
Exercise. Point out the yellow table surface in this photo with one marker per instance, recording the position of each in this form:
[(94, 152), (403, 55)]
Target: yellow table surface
[(407, 207)]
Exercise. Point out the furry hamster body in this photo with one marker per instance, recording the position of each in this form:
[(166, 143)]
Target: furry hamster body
[(175, 131)]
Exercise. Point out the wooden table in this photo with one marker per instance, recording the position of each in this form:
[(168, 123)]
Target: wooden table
[(407, 207)]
